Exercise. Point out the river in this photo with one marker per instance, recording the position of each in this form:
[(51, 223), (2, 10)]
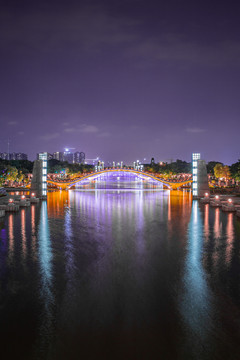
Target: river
[(120, 272)]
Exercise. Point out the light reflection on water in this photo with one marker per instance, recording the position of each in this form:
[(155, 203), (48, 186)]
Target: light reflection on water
[(46, 294), (134, 271), (196, 307)]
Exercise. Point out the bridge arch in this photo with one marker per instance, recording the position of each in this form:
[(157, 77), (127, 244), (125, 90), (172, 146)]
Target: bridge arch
[(141, 174)]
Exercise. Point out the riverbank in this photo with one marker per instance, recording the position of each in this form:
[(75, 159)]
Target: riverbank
[(225, 191)]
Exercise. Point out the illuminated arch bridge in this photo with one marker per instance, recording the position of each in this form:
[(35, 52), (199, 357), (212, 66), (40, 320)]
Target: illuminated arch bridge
[(64, 185)]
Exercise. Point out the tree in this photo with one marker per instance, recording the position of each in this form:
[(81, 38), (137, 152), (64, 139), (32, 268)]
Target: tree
[(211, 165), (218, 170), (235, 170), (221, 171), (11, 174), (20, 176), (226, 172)]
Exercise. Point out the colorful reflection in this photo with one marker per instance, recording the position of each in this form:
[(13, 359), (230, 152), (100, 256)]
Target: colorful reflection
[(196, 298), (33, 231), (118, 261), (229, 238), (23, 234), (11, 237), (46, 281)]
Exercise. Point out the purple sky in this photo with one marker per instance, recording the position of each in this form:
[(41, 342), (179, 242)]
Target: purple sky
[(123, 80)]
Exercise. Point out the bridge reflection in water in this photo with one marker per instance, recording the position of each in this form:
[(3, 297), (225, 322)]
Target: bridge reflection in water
[(138, 272)]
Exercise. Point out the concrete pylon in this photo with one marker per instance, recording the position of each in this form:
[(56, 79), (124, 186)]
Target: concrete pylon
[(36, 184), (203, 186)]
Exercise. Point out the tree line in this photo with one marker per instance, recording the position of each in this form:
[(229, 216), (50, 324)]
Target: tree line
[(16, 170), (214, 168)]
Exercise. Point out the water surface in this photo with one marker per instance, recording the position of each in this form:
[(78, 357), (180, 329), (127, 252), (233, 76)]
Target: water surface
[(139, 273)]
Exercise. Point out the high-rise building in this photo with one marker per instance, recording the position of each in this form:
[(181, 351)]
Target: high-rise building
[(18, 156), (73, 158), (68, 156), (58, 156), (13, 156), (49, 156), (79, 157), (4, 156)]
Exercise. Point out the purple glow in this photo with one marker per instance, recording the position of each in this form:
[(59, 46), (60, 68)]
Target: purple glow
[(124, 82)]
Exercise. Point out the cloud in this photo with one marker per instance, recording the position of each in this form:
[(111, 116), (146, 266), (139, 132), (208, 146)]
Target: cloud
[(92, 27), (49, 136), (70, 130), (88, 128), (195, 130), (12, 123), (178, 48), (83, 128), (104, 134), (87, 27)]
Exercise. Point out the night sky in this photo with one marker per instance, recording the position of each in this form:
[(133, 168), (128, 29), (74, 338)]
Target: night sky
[(123, 80)]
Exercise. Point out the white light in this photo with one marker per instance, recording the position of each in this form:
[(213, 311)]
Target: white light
[(217, 197), (206, 194), (230, 201), (23, 197), (194, 163), (194, 186), (196, 156)]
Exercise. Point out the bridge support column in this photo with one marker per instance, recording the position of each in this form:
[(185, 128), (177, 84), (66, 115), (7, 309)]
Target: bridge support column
[(39, 179), (200, 179)]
